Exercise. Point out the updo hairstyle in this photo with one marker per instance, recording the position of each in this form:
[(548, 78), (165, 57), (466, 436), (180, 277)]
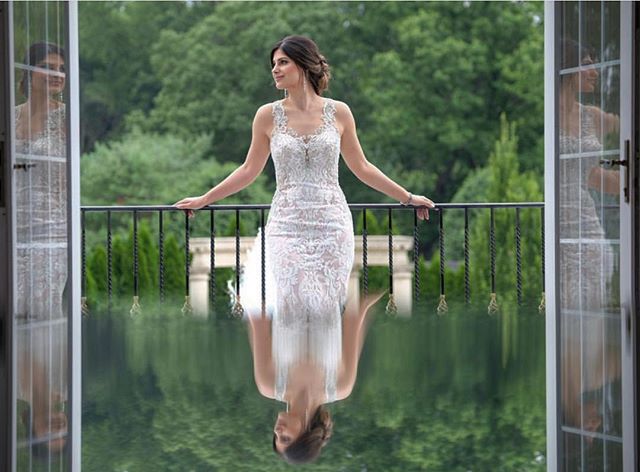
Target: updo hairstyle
[(305, 53)]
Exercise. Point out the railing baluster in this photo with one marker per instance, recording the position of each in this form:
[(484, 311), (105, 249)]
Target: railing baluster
[(416, 258), (212, 261), (493, 303), (365, 264), (84, 308), (518, 259), (543, 302), (187, 309), (263, 263), (467, 285), (109, 263), (442, 303), (135, 307), (237, 311), (161, 255), (391, 308)]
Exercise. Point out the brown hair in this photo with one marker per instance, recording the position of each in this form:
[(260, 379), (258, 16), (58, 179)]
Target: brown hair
[(305, 53), (307, 447)]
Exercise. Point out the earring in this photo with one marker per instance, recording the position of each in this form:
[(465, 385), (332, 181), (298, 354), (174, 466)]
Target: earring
[(286, 94), (304, 85)]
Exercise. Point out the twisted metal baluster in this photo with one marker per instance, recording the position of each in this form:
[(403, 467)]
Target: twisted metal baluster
[(237, 311), (84, 308), (493, 303), (365, 266), (161, 254), (442, 304), (263, 270), (416, 260), (543, 302), (391, 308), (518, 259), (135, 307), (187, 309), (467, 285), (109, 263), (212, 260)]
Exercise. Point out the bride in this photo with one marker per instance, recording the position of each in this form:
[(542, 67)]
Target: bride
[(309, 231)]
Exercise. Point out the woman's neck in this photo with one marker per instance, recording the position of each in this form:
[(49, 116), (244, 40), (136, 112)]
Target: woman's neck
[(300, 100), (40, 103), (303, 404)]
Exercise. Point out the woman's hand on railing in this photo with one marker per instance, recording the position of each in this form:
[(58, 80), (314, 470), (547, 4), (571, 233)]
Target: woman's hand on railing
[(422, 204), (191, 203)]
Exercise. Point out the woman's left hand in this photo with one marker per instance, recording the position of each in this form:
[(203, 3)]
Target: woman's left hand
[(422, 204)]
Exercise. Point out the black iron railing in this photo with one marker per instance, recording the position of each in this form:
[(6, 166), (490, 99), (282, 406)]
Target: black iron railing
[(440, 241)]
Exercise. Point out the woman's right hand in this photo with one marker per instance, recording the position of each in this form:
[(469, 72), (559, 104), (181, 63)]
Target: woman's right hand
[(191, 203)]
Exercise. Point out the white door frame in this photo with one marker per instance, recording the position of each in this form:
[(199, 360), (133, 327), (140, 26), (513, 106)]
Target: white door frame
[(628, 240)]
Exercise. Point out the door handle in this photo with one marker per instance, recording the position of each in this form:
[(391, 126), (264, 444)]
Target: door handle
[(24, 167)]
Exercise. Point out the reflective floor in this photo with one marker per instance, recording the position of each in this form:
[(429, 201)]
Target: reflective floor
[(461, 392)]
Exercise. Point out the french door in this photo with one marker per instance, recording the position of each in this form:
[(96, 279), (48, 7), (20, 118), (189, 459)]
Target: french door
[(40, 249), (591, 195)]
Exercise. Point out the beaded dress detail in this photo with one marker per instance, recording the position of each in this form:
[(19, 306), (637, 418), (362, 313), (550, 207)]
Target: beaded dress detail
[(309, 247)]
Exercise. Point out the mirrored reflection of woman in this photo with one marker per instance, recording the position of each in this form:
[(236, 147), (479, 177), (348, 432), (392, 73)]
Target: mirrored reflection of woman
[(41, 194), (307, 367), (590, 367), (583, 130)]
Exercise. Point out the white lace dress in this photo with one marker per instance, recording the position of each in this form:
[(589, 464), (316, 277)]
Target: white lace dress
[(41, 215), (309, 246), (586, 257)]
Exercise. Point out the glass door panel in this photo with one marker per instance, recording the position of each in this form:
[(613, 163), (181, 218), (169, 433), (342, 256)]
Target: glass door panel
[(589, 236), (39, 137)]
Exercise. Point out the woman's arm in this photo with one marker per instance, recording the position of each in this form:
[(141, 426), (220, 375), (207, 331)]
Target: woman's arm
[(367, 172), (263, 369), (247, 172), (354, 330)]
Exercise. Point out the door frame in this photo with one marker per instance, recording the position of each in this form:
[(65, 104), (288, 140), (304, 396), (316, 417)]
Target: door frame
[(628, 231), (6, 267)]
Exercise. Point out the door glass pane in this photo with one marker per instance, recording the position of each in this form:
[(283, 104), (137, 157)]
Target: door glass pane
[(40, 186), (589, 107)]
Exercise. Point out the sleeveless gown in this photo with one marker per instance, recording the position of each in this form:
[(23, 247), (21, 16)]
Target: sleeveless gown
[(309, 251), (588, 265)]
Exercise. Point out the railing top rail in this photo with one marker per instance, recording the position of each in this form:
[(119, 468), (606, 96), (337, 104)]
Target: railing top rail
[(355, 206)]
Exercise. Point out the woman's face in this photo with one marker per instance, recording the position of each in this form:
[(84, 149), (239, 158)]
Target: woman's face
[(287, 429), (53, 82), (286, 73), (588, 79)]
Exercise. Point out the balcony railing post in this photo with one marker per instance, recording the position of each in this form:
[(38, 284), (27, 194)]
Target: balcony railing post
[(416, 258), (161, 255), (493, 303), (263, 269), (542, 305), (518, 259), (212, 260), (442, 303), (237, 311), (135, 307), (187, 309), (365, 264), (392, 308), (109, 263), (467, 285)]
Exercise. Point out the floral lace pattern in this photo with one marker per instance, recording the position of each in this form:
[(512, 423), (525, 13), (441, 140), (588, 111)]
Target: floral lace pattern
[(309, 250), (588, 263), (41, 217)]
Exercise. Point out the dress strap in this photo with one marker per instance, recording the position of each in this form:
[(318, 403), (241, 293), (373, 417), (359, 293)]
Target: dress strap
[(279, 116), (329, 116)]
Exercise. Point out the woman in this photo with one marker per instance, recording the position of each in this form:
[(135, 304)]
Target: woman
[(309, 233), (583, 130), (41, 195)]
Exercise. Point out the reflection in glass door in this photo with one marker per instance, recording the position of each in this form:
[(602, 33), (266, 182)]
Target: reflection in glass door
[(585, 191), (40, 222)]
